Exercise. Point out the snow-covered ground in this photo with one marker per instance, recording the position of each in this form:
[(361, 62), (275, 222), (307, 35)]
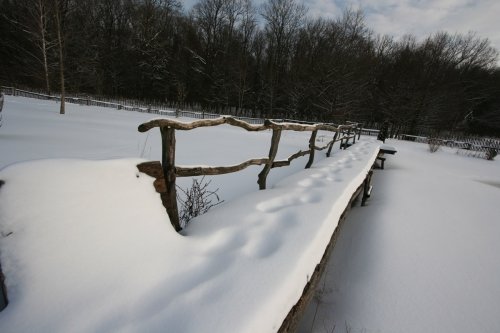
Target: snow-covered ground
[(423, 255), (86, 245)]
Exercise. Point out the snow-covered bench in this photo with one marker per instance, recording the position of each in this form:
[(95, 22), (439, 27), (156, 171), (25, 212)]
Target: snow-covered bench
[(385, 149)]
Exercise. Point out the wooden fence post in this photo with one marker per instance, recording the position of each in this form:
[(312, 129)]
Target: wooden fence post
[(169, 198), (331, 144), (3, 291), (347, 139), (312, 142), (275, 140)]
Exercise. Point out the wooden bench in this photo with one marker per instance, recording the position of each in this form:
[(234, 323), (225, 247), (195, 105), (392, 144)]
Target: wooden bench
[(384, 149)]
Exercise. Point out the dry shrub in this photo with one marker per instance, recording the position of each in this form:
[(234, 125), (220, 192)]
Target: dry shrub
[(196, 200), (434, 144), (491, 153)]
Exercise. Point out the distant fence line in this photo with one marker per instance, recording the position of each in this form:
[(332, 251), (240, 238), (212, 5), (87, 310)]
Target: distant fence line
[(144, 108), (461, 142), (473, 144), (152, 108)]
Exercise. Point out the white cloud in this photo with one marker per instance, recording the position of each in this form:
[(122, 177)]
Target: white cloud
[(418, 17), (323, 8), (424, 17)]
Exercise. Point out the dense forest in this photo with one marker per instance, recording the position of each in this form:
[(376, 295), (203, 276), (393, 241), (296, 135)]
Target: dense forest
[(230, 56)]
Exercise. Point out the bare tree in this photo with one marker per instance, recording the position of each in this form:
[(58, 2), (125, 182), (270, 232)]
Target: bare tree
[(35, 25), (60, 10), (283, 20), (42, 17), (247, 30)]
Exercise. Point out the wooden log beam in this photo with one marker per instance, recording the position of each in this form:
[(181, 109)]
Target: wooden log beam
[(152, 169), (292, 320), (217, 170), (4, 301), (331, 144), (282, 163), (178, 125), (273, 150), (304, 127), (169, 198), (312, 141), (323, 147), (348, 137)]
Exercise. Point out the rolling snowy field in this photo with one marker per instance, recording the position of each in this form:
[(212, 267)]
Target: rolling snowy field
[(86, 245)]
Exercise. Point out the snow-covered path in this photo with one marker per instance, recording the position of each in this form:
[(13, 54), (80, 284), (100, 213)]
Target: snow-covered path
[(423, 255)]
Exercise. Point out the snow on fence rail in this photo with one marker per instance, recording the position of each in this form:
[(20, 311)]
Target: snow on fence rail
[(122, 106), (166, 171)]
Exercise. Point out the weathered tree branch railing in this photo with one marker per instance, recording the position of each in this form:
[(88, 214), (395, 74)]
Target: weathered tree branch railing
[(166, 172)]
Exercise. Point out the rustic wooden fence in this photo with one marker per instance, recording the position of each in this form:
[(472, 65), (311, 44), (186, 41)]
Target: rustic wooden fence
[(166, 172)]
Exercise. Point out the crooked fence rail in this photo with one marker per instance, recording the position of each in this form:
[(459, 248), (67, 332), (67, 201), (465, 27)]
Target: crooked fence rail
[(166, 172)]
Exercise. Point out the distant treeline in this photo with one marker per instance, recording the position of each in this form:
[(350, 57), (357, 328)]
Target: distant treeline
[(274, 61)]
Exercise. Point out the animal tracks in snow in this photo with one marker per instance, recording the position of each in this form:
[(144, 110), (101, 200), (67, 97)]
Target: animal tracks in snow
[(282, 211), (290, 200), (266, 239)]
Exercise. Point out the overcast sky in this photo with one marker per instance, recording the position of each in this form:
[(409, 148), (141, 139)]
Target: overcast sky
[(417, 17)]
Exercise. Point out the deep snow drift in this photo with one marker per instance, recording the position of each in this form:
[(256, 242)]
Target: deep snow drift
[(87, 247)]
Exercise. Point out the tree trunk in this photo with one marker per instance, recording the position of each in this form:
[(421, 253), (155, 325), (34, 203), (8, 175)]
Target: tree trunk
[(61, 63), (42, 12)]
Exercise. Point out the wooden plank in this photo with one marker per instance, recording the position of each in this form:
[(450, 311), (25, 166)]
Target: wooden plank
[(292, 320)]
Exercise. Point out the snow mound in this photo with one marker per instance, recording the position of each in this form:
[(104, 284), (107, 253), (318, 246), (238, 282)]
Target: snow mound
[(86, 246)]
